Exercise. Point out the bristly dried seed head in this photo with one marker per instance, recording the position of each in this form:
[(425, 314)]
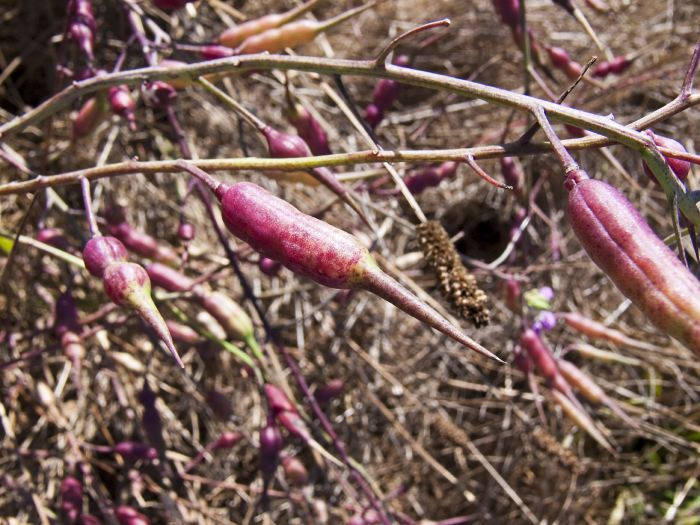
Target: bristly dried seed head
[(456, 284)]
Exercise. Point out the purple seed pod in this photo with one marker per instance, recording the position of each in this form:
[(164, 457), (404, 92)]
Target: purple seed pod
[(158, 94), (143, 244), (186, 231), (89, 519), (331, 390), (508, 11), (523, 362), (219, 403), (53, 237), (680, 167), (309, 129), (133, 451), (212, 52), (295, 471), (285, 146), (269, 267), (385, 93), (123, 104), (619, 65), (82, 26), (130, 516), (420, 181), (66, 315), (295, 425), (73, 349), (373, 115), (227, 440), (271, 443), (278, 400), (575, 131), (561, 60), (100, 252), (71, 499)]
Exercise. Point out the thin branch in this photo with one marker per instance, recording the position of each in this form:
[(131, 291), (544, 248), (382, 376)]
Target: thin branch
[(380, 61)]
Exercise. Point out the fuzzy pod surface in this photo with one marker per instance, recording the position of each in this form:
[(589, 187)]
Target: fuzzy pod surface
[(643, 268)]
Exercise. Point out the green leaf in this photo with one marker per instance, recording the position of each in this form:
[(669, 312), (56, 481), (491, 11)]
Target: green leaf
[(6, 244)]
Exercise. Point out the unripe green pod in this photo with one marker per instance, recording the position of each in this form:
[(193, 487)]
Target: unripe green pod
[(646, 271)]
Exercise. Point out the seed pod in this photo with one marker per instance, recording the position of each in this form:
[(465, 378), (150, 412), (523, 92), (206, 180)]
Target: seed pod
[(158, 94), (66, 315), (594, 329), (232, 318), (53, 237), (169, 279), (513, 295), (89, 116), (329, 391), (183, 333), (615, 66), (227, 440), (82, 26), (561, 60), (127, 284), (317, 250), (293, 34), (269, 267), (122, 104), (186, 231), (373, 115), (308, 129), (233, 36), (581, 418), (680, 167), (133, 451), (212, 52), (508, 11), (71, 499), (130, 516), (295, 471), (278, 400), (143, 244), (271, 443), (645, 270), (420, 181)]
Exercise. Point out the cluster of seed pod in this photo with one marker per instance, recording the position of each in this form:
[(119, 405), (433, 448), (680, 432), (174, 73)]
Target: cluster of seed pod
[(384, 95), (82, 27), (616, 66), (561, 60), (509, 13)]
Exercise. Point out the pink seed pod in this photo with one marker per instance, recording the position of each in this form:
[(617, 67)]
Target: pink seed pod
[(143, 244), (373, 115), (594, 329), (100, 252), (540, 354), (295, 471), (508, 11), (644, 269), (89, 519), (85, 38), (53, 237), (71, 499), (183, 333), (233, 36), (680, 167), (420, 181), (212, 52), (581, 418), (227, 440), (180, 82), (89, 116), (513, 295), (133, 451), (168, 278), (615, 66), (448, 169), (158, 94), (575, 131), (309, 129), (278, 400), (331, 390), (269, 267), (130, 516), (122, 104), (186, 231), (293, 423), (319, 251), (561, 60), (168, 5)]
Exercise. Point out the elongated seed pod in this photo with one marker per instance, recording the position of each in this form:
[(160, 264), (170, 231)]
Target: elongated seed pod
[(233, 36), (680, 167), (581, 418), (89, 116), (595, 330), (622, 244), (319, 251), (308, 129), (143, 244)]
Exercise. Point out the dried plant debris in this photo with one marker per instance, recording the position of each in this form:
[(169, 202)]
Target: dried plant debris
[(456, 284), (551, 445)]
